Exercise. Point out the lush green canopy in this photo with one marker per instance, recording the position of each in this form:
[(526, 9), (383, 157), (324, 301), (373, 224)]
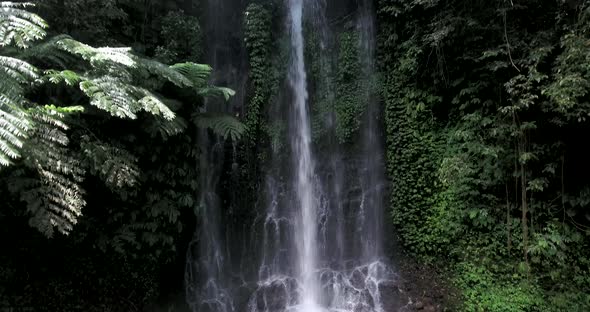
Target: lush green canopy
[(485, 105)]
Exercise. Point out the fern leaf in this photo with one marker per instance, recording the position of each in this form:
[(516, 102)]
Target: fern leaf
[(112, 95), (115, 166), (224, 125), (49, 53), (53, 115), (166, 128), (56, 201), (57, 198), (70, 78), (198, 74), (18, 26), (152, 104), (18, 70), (166, 72), (226, 93), (97, 55), (14, 127)]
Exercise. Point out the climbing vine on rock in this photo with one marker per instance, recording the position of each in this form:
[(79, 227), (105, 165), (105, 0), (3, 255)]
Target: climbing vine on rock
[(349, 102), (481, 119)]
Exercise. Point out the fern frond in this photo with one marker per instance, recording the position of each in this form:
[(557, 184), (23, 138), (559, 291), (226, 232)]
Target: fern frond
[(48, 52), (12, 90), (226, 93), (70, 78), (153, 105), (57, 199), (223, 125), (198, 74), (122, 99), (18, 70), (14, 127), (55, 202), (97, 55), (53, 115), (112, 95), (165, 71), (115, 166), (15, 75), (18, 26), (166, 128)]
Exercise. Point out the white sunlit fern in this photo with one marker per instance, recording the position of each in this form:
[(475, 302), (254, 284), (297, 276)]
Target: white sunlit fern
[(53, 195), (19, 26), (116, 93), (56, 198), (15, 76), (116, 166), (50, 172)]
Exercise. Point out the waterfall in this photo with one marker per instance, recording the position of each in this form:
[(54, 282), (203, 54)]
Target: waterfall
[(373, 167), (209, 267), (307, 225), (317, 241), (206, 262)]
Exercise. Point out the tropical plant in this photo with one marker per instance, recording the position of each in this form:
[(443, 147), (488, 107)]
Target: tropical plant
[(113, 80)]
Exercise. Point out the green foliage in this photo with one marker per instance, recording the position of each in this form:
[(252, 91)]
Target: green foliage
[(569, 89), (224, 125), (349, 106), (84, 23), (265, 74), (112, 180), (114, 80), (116, 167), (183, 38), (18, 26), (15, 123), (413, 162), (338, 92), (485, 292), (478, 118), (54, 197), (258, 40)]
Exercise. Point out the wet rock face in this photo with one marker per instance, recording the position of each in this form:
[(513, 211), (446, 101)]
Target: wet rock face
[(430, 308), (393, 298), (357, 280), (274, 296), (367, 300)]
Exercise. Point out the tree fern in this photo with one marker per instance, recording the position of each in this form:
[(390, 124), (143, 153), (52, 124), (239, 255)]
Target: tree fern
[(15, 74), (18, 26), (14, 125), (198, 74), (224, 125), (115, 166), (55, 200), (114, 80), (164, 71), (48, 53), (97, 56), (166, 128), (225, 93)]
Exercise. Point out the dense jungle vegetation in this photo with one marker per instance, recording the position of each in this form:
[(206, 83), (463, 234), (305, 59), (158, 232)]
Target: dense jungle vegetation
[(486, 109)]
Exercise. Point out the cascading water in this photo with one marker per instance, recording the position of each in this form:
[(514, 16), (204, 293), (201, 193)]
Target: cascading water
[(319, 237), (208, 274), (309, 261), (306, 226), (295, 286), (205, 260)]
